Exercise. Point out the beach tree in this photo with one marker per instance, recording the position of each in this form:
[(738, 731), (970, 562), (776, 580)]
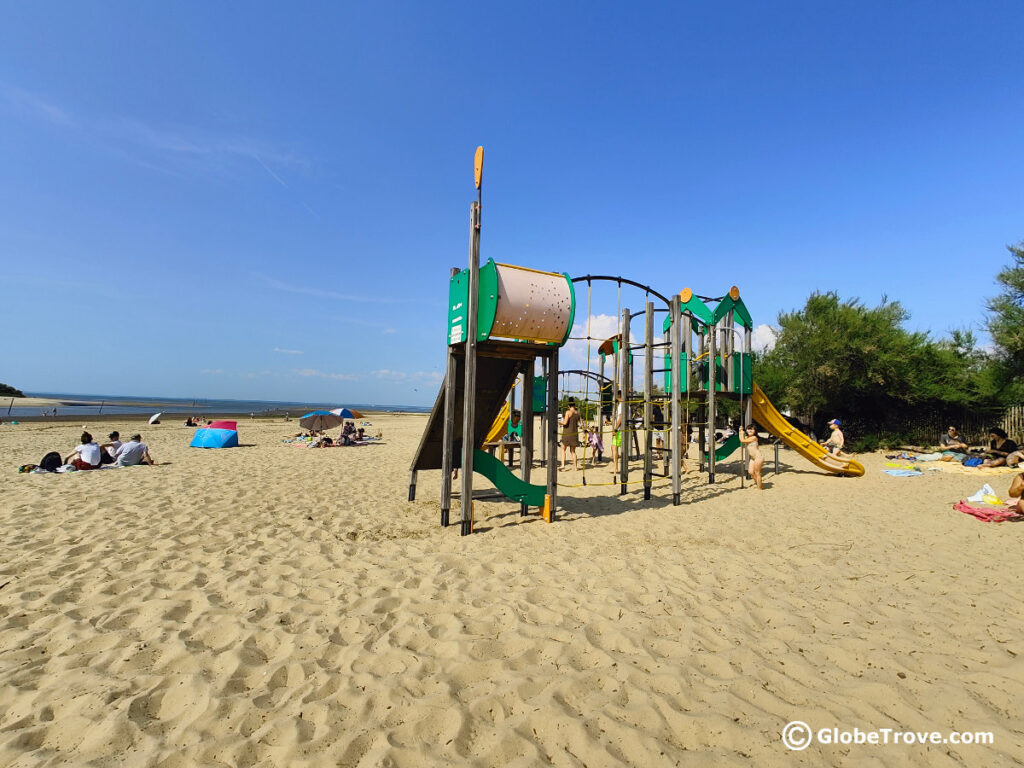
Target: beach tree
[(8, 391), (840, 358), (1006, 319)]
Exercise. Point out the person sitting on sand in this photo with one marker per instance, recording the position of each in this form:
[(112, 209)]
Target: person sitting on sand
[(1000, 446), (110, 449), (134, 452), (87, 455), (953, 441), (749, 437), (836, 440), (1016, 493)]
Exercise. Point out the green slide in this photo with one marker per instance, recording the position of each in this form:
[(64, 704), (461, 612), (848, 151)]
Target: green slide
[(495, 470), (726, 448)]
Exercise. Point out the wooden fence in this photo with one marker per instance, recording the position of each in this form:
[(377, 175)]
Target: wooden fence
[(974, 425)]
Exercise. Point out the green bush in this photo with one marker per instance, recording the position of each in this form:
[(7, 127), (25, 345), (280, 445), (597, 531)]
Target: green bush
[(7, 391), (865, 444)]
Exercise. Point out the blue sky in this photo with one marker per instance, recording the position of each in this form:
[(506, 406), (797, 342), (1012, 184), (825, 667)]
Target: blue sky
[(264, 200)]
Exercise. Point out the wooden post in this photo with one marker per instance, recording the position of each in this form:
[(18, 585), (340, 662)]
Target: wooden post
[(544, 416), (600, 416), (625, 384), (448, 439), (702, 387), (686, 347), (469, 388), (730, 348), (648, 394), (712, 384), (552, 433), (526, 422), (675, 314)]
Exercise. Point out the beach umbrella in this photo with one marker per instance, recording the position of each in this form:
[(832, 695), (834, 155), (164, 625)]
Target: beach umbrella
[(320, 420), (155, 418), (347, 413)]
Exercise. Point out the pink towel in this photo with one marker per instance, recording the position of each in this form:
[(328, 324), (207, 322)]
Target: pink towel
[(987, 514)]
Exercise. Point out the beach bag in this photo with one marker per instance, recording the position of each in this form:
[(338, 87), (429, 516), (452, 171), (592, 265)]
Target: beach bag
[(972, 461), (51, 461)]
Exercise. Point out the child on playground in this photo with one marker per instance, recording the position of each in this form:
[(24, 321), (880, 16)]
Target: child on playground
[(837, 441), (749, 437), (594, 441)]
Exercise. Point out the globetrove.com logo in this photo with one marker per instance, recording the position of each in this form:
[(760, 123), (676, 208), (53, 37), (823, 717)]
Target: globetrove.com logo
[(798, 736)]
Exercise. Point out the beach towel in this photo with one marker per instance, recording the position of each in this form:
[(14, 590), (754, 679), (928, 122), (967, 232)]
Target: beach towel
[(987, 515), (902, 472)]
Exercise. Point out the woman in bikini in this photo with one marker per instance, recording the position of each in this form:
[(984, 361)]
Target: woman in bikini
[(749, 437)]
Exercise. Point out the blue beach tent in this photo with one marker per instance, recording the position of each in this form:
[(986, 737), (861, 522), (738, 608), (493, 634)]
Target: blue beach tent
[(208, 437)]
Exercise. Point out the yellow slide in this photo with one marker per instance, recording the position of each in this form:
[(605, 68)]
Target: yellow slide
[(767, 416), (500, 426)]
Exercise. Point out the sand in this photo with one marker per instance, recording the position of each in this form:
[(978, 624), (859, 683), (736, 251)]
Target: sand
[(271, 605)]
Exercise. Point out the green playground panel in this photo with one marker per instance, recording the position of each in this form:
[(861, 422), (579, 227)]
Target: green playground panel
[(458, 302), (540, 394)]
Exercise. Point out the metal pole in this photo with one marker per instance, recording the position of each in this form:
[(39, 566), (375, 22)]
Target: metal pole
[(469, 389), (526, 422), (648, 394), (448, 439), (624, 384), (677, 399), (552, 434)]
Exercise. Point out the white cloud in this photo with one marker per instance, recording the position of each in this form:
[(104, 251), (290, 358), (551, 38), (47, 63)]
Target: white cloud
[(324, 375), (287, 351), (26, 102), (601, 327), (213, 371), (322, 293), (763, 338)]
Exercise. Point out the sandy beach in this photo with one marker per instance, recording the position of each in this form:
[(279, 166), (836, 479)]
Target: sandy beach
[(271, 605)]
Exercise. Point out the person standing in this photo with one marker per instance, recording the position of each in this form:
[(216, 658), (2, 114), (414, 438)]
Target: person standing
[(570, 424), (749, 438), (618, 419)]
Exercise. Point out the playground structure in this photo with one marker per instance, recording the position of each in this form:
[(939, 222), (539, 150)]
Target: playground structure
[(503, 319)]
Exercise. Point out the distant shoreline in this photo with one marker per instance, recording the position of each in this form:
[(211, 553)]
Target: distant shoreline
[(76, 408)]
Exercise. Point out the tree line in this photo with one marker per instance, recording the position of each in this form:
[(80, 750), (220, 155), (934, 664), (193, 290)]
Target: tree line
[(837, 358)]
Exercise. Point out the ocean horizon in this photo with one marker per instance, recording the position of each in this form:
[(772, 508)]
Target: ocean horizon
[(84, 404)]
